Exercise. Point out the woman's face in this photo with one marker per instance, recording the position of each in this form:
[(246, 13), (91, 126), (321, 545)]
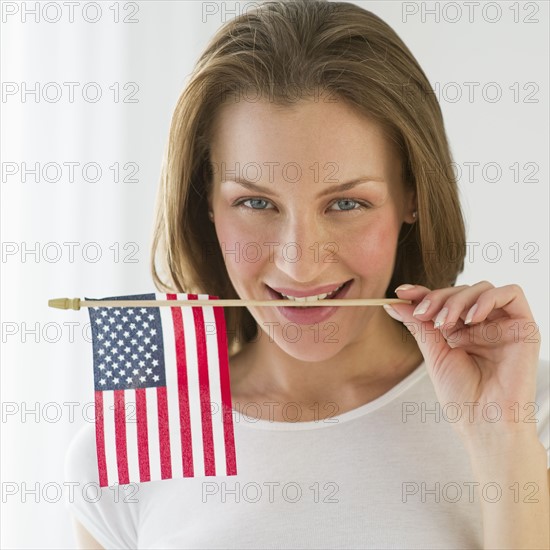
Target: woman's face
[(293, 231)]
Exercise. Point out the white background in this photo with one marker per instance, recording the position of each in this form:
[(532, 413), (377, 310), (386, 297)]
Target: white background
[(157, 53)]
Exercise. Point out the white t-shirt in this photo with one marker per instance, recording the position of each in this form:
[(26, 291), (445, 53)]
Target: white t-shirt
[(383, 475)]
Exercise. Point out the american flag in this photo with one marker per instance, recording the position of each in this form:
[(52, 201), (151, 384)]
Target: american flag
[(162, 391)]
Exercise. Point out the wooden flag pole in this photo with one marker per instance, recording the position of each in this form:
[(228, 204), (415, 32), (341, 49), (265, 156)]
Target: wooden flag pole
[(77, 303)]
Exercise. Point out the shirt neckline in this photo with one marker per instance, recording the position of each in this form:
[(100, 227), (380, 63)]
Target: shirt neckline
[(241, 419)]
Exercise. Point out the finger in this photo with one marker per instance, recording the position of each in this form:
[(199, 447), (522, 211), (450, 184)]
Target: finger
[(417, 293), (509, 299), (428, 303), (460, 305)]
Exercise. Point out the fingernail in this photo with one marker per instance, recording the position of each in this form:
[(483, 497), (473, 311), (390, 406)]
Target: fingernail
[(422, 307), (392, 313), (470, 314), (404, 287), (440, 319)]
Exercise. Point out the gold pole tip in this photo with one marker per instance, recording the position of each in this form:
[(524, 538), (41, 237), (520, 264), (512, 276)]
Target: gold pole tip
[(65, 303)]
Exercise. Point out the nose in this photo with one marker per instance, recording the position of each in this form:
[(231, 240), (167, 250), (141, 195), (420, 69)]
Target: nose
[(304, 248)]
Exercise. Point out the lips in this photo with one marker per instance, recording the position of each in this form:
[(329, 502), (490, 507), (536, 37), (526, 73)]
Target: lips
[(311, 314), (297, 293), (342, 287)]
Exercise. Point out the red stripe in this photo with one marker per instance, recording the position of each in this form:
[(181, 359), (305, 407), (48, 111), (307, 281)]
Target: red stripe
[(229, 437), (204, 390), (142, 435), (183, 391), (120, 437), (100, 439), (164, 434)]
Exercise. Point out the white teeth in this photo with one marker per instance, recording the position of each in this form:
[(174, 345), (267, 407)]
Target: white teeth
[(312, 298)]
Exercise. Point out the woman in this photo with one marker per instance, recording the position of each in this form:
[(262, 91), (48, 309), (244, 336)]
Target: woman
[(306, 158)]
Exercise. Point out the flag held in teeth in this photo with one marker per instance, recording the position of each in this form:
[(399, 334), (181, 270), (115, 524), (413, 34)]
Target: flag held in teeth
[(162, 392)]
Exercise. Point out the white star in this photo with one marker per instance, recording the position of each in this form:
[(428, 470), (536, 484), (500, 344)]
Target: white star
[(129, 379)]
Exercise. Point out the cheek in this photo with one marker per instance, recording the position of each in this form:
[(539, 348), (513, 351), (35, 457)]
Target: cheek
[(241, 249), (372, 250)]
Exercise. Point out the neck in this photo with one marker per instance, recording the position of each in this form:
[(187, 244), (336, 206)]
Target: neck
[(363, 369)]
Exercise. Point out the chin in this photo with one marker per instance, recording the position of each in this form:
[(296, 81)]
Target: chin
[(307, 349)]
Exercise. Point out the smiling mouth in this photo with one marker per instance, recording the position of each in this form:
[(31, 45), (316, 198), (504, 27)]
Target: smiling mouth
[(325, 296)]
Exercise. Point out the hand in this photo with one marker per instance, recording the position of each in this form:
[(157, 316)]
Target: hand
[(487, 366)]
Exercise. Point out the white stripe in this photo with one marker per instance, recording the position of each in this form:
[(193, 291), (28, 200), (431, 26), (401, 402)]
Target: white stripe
[(215, 387), (194, 389), (130, 415), (171, 388), (110, 439), (153, 433)]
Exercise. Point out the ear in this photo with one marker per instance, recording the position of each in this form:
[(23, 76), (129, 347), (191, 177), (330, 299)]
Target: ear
[(410, 205)]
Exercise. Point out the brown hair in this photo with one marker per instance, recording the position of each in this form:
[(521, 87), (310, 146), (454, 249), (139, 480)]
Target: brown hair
[(306, 45)]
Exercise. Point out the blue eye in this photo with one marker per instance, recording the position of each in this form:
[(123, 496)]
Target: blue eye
[(262, 204), (347, 201), (253, 201)]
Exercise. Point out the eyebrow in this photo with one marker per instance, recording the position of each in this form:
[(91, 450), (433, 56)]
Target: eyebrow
[(329, 190)]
